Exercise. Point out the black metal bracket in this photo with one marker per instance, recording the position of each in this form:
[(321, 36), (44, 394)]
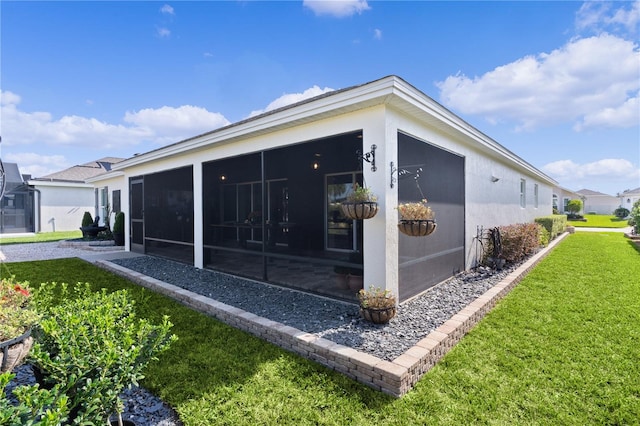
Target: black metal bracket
[(369, 157), (393, 170)]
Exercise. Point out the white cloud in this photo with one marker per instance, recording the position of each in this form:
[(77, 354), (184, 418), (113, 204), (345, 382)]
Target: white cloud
[(377, 34), (290, 98), (160, 126), (37, 165), (167, 10), (609, 168), (574, 83), (626, 115), (600, 16), (337, 8), (173, 124), (163, 32)]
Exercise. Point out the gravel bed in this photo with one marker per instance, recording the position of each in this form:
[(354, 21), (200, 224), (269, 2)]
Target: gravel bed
[(337, 321)]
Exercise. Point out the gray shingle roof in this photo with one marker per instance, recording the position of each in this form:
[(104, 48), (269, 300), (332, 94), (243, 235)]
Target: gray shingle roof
[(82, 172)]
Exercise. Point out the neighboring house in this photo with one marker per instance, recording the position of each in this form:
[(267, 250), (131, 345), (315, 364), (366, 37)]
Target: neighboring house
[(598, 203), (259, 198), (17, 204), (63, 197), (562, 196), (629, 197)]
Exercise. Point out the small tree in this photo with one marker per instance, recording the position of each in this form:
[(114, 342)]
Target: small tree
[(87, 220), (635, 217), (574, 206)]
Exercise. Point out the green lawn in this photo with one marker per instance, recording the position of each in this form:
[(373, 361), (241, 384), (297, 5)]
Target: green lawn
[(561, 348), (600, 221), (41, 237)]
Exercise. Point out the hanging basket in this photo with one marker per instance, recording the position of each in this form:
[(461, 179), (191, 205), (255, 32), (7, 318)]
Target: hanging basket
[(360, 210), (14, 351), (417, 228), (378, 315)]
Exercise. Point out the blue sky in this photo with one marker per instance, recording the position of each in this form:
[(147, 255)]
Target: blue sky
[(557, 83)]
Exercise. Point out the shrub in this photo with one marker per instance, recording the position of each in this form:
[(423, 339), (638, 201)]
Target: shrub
[(554, 224), (574, 206), (635, 216), (92, 347), (118, 225), (621, 212), (518, 241), (87, 220)]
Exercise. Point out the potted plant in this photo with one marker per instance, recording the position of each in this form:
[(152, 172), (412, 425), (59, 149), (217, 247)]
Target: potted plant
[(377, 305), (348, 276), (17, 316), (91, 347), (118, 229), (416, 219), (360, 204)]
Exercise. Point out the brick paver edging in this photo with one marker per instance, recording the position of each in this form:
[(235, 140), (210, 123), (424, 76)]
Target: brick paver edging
[(395, 377)]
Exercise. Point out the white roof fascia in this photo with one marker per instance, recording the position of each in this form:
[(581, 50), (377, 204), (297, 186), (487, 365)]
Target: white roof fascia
[(57, 183), (104, 176)]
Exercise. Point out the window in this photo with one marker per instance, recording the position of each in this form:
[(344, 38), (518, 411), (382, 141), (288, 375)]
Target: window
[(565, 203), (554, 202), (535, 195), (115, 197), (523, 193), (102, 204)]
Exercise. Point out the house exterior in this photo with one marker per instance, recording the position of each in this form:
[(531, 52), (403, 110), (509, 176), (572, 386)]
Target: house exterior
[(17, 203), (63, 197), (260, 198), (598, 203), (561, 197), (629, 197)]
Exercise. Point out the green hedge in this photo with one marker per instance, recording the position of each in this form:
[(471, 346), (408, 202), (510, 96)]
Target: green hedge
[(555, 224)]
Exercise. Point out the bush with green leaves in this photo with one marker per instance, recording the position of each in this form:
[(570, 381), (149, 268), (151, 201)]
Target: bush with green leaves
[(554, 224), (87, 220), (118, 225), (621, 212), (90, 348), (635, 217), (35, 406), (574, 206)]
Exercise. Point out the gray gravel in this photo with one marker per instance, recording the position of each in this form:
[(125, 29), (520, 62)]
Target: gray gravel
[(336, 321)]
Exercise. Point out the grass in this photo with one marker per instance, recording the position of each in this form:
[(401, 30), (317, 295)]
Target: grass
[(561, 348), (41, 237), (600, 221)]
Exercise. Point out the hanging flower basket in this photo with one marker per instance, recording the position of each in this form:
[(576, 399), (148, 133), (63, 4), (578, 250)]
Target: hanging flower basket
[(14, 351), (360, 210), (417, 228), (361, 203)]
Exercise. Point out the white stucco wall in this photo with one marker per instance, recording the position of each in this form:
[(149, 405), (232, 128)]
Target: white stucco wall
[(488, 203), (62, 205), (601, 204)]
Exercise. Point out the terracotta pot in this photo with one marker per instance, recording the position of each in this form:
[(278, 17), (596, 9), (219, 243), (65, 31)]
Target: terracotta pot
[(355, 282), (378, 315), (417, 228), (361, 210), (14, 351)]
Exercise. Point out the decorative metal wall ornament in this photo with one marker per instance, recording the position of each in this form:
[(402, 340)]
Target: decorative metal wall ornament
[(369, 157)]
